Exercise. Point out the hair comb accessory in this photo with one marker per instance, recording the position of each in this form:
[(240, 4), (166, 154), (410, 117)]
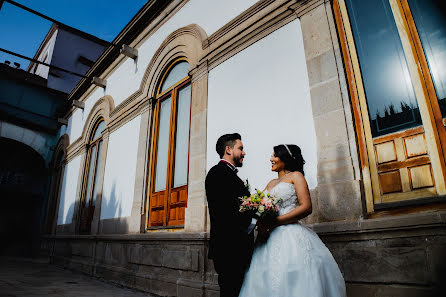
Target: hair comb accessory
[(289, 152)]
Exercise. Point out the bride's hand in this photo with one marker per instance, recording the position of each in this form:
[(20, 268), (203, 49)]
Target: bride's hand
[(266, 225)]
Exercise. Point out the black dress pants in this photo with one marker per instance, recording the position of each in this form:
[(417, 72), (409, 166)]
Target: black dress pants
[(230, 275)]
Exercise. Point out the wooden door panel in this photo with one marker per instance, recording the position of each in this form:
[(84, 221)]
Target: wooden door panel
[(157, 208), (177, 206), (421, 177), (415, 146), (390, 182), (404, 166)]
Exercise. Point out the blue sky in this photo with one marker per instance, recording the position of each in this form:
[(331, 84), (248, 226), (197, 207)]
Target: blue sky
[(22, 32)]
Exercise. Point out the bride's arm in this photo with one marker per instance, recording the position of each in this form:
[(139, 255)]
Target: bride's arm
[(303, 195)]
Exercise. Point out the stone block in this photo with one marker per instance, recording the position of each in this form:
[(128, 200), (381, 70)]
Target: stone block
[(198, 125), (345, 173), (437, 264), (326, 97), (385, 265), (340, 201), (195, 218), (416, 219), (197, 169), (180, 259), (199, 95), (337, 153), (321, 68), (187, 288), (360, 290), (198, 146), (211, 293), (316, 32), (405, 291), (83, 249), (331, 129), (163, 288), (146, 255)]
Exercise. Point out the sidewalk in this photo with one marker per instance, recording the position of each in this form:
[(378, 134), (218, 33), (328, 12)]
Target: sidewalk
[(28, 278)]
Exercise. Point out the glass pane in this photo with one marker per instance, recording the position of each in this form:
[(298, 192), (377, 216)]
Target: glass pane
[(98, 131), (163, 146), (182, 138), (391, 101), (178, 72), (90, 174), (95, 188), (430, 19)]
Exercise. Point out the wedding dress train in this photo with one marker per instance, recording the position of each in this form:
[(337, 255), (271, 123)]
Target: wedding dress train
[(293, 261)]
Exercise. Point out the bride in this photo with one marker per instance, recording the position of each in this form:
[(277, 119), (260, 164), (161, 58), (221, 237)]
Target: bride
[(293, 261)]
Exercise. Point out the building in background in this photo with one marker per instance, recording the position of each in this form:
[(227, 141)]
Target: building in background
[(358, 85), (32, 103), (29, 126), (68, 49)]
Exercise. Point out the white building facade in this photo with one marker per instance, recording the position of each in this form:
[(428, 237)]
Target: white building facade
[(131, 201)]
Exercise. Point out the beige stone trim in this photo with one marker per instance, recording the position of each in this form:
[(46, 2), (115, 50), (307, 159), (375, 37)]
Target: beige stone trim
[(338, 194)]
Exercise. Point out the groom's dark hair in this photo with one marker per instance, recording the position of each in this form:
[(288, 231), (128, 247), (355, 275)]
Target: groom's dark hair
[(224, 141)]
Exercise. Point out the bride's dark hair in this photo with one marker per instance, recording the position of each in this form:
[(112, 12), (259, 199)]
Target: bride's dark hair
[(292, 157)]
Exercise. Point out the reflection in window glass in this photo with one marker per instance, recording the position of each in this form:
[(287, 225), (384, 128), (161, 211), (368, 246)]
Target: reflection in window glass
[(177, 73), (163, 146), (390, 96), (430, 19), (182, 138)]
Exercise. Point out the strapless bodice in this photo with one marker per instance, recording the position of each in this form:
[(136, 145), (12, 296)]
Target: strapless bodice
[(288, 194)]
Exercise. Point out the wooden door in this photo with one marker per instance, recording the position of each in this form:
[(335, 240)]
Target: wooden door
[(397, 122)]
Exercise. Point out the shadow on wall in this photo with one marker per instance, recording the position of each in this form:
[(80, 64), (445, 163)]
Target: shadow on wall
[(111, 211)]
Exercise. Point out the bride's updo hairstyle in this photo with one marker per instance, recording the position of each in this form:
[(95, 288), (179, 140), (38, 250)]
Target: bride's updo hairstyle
[(291, 155)]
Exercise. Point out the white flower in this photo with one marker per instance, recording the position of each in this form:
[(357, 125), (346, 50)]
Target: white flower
[(261, 208)]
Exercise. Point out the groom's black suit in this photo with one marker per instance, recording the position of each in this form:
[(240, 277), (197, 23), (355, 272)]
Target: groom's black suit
[(230, 245)]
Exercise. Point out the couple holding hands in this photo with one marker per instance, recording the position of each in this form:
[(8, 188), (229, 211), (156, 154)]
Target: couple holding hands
[(291, 260)]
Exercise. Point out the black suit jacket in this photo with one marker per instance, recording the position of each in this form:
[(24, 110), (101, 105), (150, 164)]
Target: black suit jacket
[(228, 237)]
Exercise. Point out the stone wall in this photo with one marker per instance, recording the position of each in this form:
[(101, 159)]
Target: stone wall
[(397, 256), (165, 264)]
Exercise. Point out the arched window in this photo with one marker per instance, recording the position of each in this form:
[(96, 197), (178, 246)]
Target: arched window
[(170, 147), (56, 182), (89, 189)]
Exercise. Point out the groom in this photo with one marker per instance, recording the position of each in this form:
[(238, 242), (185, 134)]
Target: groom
[(231, 237)]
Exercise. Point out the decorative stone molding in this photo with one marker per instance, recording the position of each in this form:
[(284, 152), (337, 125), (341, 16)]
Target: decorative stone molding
[(102, 108)]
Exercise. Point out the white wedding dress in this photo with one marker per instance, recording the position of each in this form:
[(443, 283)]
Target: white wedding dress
[(293, 261)]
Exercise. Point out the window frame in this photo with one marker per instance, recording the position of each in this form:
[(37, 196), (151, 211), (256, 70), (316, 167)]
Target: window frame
[(91, 144), (172, 92), (431, 124)]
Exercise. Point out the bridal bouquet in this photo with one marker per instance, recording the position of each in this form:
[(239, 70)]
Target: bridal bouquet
[(264, 205)]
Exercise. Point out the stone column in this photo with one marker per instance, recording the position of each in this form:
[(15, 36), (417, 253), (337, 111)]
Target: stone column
[(196, 211), (138, 217), (339, 191)]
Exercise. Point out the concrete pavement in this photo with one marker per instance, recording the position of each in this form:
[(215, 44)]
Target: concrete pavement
[(28, 278)]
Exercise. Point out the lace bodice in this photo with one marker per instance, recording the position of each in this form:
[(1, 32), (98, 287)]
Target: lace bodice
[(288, 194)]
